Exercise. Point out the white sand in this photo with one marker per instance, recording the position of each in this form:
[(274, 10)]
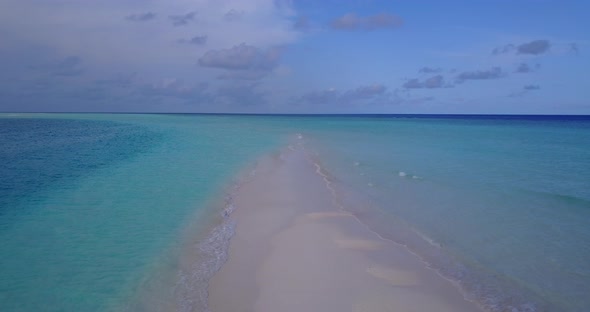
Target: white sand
[(295, 251)]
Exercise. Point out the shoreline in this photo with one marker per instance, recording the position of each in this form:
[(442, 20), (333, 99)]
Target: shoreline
[(296, 249)]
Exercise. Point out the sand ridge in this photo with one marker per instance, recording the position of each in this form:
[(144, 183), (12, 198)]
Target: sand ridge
[(295, 249)]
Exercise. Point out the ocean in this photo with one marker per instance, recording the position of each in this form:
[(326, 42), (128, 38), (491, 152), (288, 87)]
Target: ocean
[(124, 212)]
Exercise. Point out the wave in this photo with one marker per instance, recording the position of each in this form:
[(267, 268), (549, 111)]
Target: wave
[(191, 289)]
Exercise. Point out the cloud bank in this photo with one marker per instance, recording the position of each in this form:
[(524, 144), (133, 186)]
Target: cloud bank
[(183, 19), (353, 22), (241, 57), (492, 73), (535, 47), (142, 17), (196, 40), (433, 82)]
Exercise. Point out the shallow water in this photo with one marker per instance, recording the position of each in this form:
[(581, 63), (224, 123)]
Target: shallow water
[(503, 205), (119, 212), (93, 206)]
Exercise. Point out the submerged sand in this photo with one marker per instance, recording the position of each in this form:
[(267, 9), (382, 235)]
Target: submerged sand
[(295, 250)]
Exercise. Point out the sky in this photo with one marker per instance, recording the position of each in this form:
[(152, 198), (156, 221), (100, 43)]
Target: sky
[(295, 56)]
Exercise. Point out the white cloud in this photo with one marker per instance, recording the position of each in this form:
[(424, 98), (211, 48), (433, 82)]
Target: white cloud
[(114, 37), (100, 33)]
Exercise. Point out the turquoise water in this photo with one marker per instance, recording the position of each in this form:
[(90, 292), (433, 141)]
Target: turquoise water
[(501, 206), (92, 205), (97, 211)]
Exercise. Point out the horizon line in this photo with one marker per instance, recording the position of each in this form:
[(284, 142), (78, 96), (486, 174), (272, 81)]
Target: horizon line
[(308, 114)]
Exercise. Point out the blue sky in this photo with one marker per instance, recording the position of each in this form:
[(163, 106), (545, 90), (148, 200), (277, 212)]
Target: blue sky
[(295, 56)]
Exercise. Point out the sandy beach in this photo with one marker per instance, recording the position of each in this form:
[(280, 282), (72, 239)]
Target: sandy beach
[(295, 250)]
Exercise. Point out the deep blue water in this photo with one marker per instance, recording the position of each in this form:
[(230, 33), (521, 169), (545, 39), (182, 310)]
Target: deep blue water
[(39, 153)]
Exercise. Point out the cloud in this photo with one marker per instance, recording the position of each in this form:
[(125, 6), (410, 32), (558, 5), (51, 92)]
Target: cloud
[(524, 68), (141, 17), (242, 62), (183, 19), (233, 15), (241, 57), (61, 51), (493, 73), (573, 47), (433, 82), (347, 22), (196, 40), (429, 70), (534, 47), (525, 90), (353, 22)]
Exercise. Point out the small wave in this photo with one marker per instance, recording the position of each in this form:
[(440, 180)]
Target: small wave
[(404, 174), (427, 239), (191, 289), (228, 210)]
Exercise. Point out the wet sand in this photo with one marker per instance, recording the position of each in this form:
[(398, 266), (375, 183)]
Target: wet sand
[(295, 250)]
